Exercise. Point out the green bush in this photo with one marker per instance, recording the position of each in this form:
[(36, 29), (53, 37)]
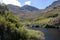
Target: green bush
[(12, 29)]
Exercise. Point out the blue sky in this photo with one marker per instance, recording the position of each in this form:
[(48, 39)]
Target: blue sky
[(41, 4)]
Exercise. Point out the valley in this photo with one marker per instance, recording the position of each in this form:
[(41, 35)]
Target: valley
[(30, 23)]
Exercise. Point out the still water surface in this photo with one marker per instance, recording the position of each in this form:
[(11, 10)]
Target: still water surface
[(50, 33)]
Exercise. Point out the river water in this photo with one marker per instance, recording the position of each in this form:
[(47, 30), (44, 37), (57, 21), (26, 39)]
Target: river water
[(50, 33)]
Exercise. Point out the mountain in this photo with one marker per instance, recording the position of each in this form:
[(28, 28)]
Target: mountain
[(54, 4), (15, 8), (30, 13), (11, 28), (24, 11), (49, 17), (30, 8)]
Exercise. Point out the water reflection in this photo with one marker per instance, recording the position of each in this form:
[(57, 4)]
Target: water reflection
[(50, 33)]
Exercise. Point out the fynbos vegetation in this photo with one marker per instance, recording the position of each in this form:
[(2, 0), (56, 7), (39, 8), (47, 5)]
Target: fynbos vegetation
[(12, 29)]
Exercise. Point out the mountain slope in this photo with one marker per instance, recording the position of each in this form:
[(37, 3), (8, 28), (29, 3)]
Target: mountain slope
[(54, 4), (50, 17), (24, 12), (11, 28), (16, 9), (29, 8), (40, 18)]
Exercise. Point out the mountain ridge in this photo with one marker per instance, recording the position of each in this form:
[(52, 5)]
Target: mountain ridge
[(54, 4), (29, 11)]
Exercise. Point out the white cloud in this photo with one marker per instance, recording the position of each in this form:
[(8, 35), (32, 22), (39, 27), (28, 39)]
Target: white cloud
[(14, 2), (28, 3)]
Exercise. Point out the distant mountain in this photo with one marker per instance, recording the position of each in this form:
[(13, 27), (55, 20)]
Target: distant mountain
[(25, 11), (49, 17), (14, 9), (30, 8), (29, 12), (23, 8)]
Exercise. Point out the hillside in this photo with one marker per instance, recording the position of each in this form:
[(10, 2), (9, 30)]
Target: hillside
[(54, 4), (24, 11), (49, 17), (11, 28), (29, 8)]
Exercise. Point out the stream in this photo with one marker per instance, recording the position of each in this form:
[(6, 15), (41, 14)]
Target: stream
[(50, 33)]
